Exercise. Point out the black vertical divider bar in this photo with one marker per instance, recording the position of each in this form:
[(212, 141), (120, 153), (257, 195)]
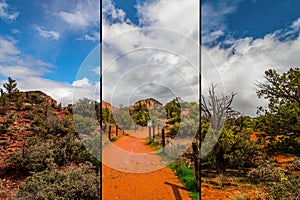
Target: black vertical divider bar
[(200, 94), (101, 81)]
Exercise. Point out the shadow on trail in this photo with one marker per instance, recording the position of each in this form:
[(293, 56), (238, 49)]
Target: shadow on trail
[(175, 189)]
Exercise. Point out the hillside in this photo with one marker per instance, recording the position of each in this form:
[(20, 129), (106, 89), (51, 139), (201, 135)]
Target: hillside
[(150, 103)]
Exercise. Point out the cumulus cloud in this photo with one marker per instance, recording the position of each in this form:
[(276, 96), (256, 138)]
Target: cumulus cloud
[(131, 64), (6, 13), (85, 14), (243, 64), (171, 15), (160, 60), (53, 35), (213, 19), (29, 71)]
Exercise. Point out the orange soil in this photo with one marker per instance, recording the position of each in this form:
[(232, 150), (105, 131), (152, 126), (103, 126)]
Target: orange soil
[(209, 192), (149, 183)]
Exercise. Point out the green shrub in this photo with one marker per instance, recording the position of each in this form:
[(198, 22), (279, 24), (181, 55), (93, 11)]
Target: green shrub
[(80, 183), (186, 177), (35, 157), (286, 145), (279, 184)]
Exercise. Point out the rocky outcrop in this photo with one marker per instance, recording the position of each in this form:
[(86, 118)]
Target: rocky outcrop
[(34, 95), (150, 103)]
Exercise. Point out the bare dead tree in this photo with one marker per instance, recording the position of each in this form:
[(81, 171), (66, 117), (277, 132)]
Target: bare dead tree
[(216, 110)]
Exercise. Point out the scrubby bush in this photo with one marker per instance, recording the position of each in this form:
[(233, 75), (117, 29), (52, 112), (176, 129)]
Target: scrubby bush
[(286, 145), (279, 184), (80, 183), (35, 156), (39, 154)]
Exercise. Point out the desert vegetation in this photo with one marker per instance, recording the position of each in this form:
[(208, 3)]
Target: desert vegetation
[(45, 150)]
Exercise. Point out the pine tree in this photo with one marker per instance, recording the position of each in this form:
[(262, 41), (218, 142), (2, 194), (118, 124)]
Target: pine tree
[(11, 89)]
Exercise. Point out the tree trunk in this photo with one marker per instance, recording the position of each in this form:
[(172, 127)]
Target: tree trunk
[(219, 158)]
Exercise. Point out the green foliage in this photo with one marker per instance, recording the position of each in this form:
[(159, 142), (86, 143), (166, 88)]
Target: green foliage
[(11, 89), (35, 157), (285, 145), (140, 114), (187, 177), (4, 102), (195, 195), (237, 149), (86, 108), (80, 183), (173, 109), (283, 114), (279, 185), (242, 153), (84, 125), (37, 99), (107, 116), (123, 119), (40, 154)]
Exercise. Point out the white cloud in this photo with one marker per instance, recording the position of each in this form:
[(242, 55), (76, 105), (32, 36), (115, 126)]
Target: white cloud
[(15, 31), (94, 36), (243, 65), (8, 51), (53, 35), (28, 71), (6, 13), (177, 15), (85, 14), (111, 13), (237, 68), (76, 19), (160, 61), (96, 70), (213, 19), (82, 82)]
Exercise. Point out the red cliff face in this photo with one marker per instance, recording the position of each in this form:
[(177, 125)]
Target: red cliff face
[(150, 103), (108, 105)]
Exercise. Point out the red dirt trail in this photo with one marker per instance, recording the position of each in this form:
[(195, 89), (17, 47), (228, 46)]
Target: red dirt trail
[(138, 172)]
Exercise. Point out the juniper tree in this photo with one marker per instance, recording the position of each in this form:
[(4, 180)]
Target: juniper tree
[(11, 89)]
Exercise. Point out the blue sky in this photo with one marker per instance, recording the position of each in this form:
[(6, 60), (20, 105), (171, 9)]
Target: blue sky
[(43, 43)]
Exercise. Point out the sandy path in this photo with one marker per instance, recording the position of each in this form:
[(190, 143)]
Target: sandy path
[(152, 182)]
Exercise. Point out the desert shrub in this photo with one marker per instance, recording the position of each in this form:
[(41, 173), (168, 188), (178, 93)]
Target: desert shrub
[(66, 125), (84, 125), (27, 107), (241, 196), (286, 145), (3, 128), (242, 154), (35, 156), (80, 183), (279, 184), (208, 162), (29, 115)]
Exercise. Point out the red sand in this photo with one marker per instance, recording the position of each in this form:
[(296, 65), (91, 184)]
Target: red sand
[(152, 184)]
